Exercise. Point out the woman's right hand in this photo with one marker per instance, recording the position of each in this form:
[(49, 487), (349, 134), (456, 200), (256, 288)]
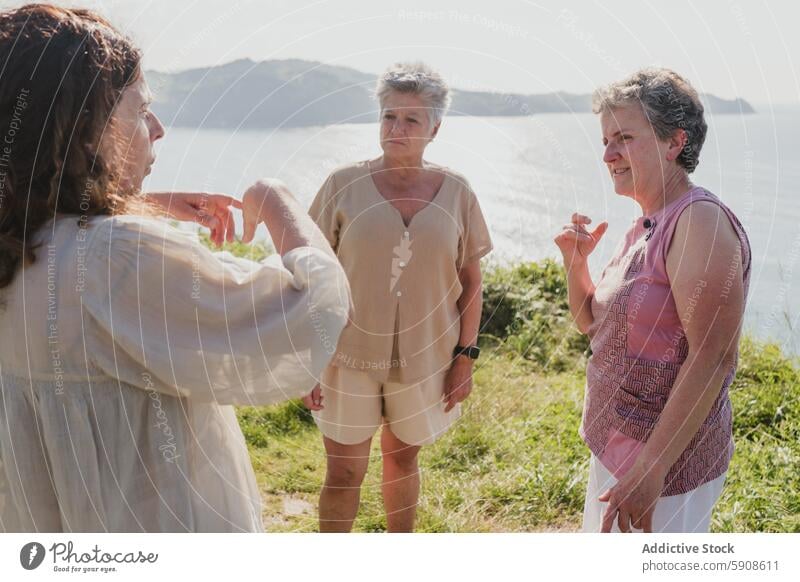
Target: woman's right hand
[(313, 400), (576, 243), (256, 204), (289, 225)]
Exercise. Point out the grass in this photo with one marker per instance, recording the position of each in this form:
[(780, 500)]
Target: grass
[(762, 491), (515, 462)]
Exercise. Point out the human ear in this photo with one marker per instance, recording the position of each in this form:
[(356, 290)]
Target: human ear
[(676, 142)]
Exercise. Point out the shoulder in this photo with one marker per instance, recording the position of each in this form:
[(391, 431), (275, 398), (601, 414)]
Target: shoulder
[(129, 232), (459, 184), (346, 175), (703, 230), (456, 177), (705, 217)]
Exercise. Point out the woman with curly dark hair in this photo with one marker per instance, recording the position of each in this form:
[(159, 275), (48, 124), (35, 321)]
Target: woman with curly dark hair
[(123, 341)]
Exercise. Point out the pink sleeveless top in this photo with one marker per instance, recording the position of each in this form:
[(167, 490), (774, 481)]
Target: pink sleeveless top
[(638, 346)]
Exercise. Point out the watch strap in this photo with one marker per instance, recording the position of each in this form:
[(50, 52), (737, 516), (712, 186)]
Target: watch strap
[(472, 352)]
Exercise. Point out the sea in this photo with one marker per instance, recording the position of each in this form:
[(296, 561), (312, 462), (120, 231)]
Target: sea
[(530, 174)]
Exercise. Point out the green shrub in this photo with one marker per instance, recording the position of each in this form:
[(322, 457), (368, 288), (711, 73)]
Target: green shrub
[(525, 309)]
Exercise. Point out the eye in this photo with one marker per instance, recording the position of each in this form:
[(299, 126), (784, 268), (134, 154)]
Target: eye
[(388, 116), (413, 120), (624, 137)]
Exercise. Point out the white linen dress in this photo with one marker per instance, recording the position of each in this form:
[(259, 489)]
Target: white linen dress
[(122, 349)]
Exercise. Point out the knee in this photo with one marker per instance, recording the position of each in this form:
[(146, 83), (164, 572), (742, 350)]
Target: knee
[(345, 474), (403, 460)]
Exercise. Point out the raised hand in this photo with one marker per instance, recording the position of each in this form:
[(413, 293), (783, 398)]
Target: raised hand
[(261, 201), (207, 209), (575, 242)]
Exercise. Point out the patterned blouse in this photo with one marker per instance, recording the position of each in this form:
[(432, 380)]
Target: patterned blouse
[(638, 346)]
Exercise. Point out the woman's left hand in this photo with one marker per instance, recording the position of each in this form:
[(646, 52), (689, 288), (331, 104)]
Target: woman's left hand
[(210, 210), (458, 382), (633, 499)]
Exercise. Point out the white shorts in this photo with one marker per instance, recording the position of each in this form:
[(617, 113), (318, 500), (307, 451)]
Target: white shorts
[(686, 513), (355, 405)]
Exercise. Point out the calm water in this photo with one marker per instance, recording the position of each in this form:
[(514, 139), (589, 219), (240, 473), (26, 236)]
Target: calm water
[(531, 174)]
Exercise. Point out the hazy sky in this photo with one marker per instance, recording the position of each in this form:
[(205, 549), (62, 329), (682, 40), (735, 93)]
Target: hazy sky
[(730, 48)]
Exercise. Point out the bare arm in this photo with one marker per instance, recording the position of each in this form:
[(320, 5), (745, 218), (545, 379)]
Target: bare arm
[(470, 303), (709, 295), (270, 201), (458, 383), (580, 291), (705, 271)]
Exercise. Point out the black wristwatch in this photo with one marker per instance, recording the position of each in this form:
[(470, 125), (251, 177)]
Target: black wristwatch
[(472, 352)]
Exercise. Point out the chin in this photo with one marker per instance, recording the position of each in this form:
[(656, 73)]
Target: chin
[(623, 189)]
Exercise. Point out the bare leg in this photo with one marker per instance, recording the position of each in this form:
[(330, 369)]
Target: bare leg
[(400, 482), (338, 502)]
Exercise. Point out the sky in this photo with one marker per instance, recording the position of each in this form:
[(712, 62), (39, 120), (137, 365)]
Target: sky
[(731, 48)]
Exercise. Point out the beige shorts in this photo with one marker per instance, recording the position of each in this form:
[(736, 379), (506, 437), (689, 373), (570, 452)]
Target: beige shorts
[(355, 405)]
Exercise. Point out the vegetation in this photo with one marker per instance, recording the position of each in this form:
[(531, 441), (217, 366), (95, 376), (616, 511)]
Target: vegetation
[(515, 461)]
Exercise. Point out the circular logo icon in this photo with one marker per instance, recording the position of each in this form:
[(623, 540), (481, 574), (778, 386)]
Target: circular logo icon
[(31, 555)]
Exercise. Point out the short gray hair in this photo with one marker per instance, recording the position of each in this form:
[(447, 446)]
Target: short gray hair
[(419, 79), (669, 103)]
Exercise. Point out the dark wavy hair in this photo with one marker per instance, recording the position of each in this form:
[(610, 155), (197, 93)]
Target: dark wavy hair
[(62, 70)]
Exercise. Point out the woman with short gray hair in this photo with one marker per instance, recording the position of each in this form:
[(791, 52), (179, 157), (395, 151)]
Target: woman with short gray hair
[(410, 235), (664, 318), (420, 80)]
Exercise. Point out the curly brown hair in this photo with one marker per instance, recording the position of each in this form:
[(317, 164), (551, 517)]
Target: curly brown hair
[(669, 102), (62, 71)]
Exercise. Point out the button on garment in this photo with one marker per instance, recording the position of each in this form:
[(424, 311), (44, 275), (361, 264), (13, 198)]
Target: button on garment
[(398, 271)]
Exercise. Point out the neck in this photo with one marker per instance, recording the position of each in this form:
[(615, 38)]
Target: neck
[(673, 188), (401, 170)]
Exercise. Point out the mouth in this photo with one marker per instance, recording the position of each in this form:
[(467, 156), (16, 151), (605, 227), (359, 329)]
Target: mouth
[(616, 172)]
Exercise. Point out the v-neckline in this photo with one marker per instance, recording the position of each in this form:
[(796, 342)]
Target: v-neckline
[(394, 208)]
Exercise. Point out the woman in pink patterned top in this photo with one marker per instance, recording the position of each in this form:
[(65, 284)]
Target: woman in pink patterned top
[(664, 318)]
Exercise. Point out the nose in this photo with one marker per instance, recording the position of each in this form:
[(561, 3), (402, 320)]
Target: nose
[(157, 130), (611, 153)]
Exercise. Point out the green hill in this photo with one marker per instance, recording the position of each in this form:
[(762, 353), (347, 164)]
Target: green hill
[(245, 94)]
